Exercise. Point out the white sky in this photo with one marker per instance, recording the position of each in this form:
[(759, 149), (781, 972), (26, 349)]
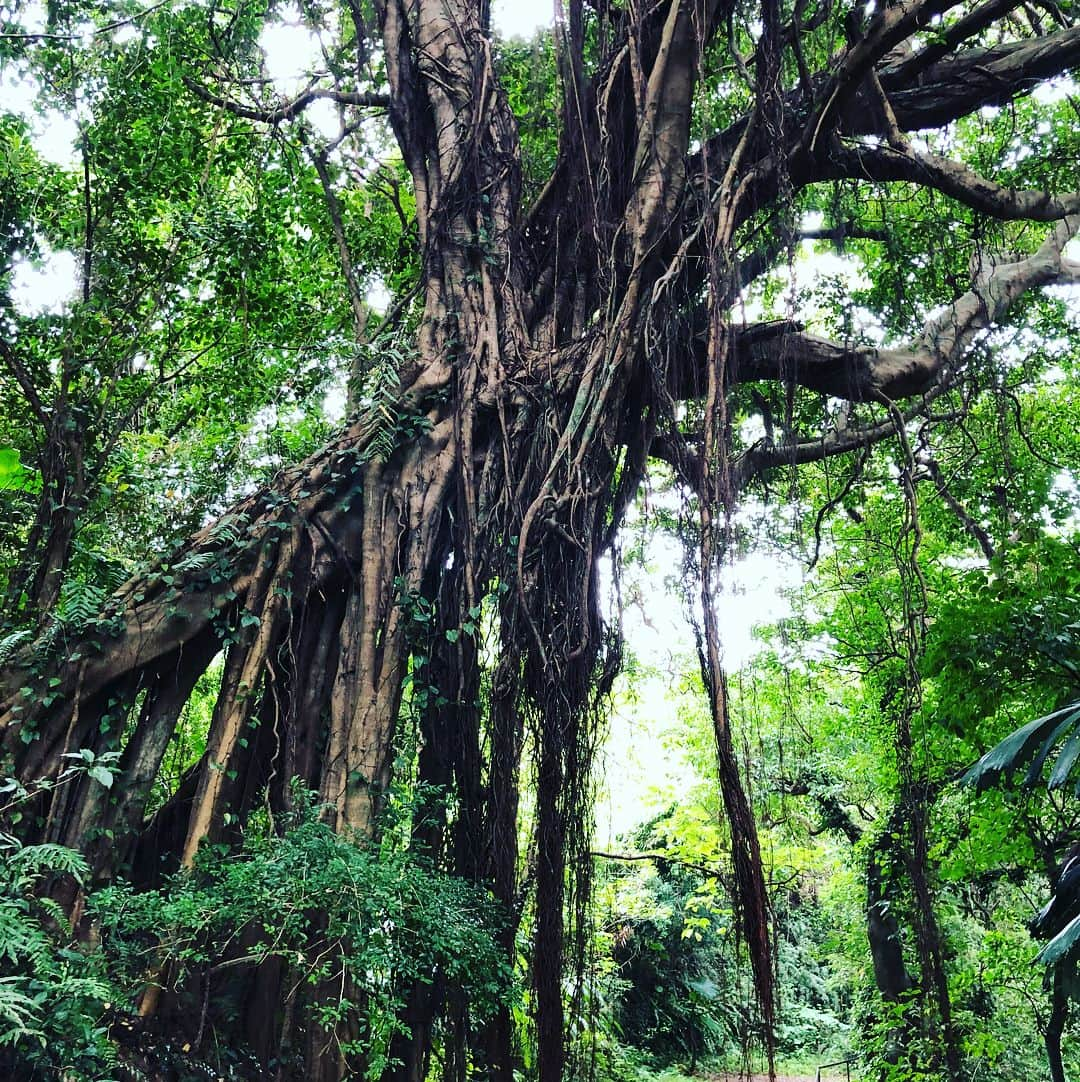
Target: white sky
[(37, 290), (54, 133), (520, 18), (639, 770)]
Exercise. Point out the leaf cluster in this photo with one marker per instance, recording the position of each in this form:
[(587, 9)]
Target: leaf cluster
[(54, 991), (355, 925)]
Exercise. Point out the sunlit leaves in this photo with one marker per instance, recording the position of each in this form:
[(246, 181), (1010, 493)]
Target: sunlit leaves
[(13, 474)]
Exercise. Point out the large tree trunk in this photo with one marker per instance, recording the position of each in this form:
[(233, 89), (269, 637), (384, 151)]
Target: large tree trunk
[(454, 478)]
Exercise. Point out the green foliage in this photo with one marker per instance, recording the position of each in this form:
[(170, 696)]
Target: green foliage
[(54, 991), (817, 710), (357, 925), (671, 947), (1059, 920), (198, 352), (529, 72), (1032, 745), (679, 993), (194, 364)]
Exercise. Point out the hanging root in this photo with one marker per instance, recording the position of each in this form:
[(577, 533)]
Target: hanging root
[(751, 893)]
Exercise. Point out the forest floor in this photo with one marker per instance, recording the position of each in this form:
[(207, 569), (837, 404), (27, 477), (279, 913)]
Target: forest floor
[(779, 1078)]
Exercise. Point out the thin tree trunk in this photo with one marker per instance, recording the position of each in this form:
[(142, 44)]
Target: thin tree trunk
[(1055, 1025), (35, 583)]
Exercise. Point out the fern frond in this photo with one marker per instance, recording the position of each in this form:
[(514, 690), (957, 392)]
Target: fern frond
[(195, 561), (20, 936), (52, 909), (9, 644), (18, 1012), (80, 602), (33, 860), (228, 529)]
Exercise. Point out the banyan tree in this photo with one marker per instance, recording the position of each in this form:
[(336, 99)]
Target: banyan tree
[(561, 336)]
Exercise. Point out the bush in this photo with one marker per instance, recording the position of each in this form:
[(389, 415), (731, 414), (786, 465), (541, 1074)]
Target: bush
[(338, 912), (372, 922), (54, 991)]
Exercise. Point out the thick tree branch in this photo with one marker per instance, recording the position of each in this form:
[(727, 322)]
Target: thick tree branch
[(949, 89), (292, 107), (888, 29), (763, 457), (958, 85), (884, 375), (888, 163), (865, 373), (907, 70)]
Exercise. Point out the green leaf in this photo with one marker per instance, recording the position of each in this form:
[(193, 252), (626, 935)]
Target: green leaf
[(14, 476), (706, 988), (1037, 764), (101, 774), (1018, 747), (1061, 945), (1065, 761)]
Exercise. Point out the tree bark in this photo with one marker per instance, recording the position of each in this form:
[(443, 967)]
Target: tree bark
[(1055, 1025)]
